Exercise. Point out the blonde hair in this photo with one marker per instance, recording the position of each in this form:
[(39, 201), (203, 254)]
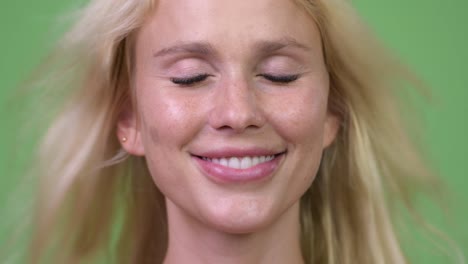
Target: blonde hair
[(96, 202)]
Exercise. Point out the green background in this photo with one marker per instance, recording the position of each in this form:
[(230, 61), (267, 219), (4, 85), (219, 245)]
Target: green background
[(429, 35)]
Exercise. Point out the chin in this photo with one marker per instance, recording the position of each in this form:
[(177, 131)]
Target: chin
[(241, 218), (241, 227)]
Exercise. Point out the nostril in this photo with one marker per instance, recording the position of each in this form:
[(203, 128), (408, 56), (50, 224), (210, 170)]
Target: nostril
[(225, 128), (252, 127), (237, 129)]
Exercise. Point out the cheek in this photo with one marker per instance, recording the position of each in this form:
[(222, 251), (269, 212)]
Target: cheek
[(300, 117), (168, 122), (300, 120), (168, 119)]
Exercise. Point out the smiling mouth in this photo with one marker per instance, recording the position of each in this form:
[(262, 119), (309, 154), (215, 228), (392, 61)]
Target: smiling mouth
[(241, 162), (231, 167)]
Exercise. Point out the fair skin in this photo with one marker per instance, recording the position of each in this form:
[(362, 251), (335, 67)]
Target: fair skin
[(231, 116)]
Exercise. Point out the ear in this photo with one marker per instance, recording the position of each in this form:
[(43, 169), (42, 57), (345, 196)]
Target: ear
[(332, 125), (128, 132)]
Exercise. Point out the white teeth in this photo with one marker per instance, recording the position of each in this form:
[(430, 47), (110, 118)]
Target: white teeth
[(224, 162), (246, 162), (234, 163), (255, 160), (240, 162)]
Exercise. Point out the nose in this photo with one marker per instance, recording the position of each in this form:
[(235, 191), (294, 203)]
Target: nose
[(236, 107)]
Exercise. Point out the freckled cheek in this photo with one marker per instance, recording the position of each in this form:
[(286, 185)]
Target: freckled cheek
[(300, 118), (169, 120)]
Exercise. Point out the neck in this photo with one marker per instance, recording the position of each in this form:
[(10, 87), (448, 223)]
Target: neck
[(193, 242)]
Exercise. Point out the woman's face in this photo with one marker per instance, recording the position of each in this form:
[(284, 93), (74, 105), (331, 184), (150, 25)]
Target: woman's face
[(232, 108)]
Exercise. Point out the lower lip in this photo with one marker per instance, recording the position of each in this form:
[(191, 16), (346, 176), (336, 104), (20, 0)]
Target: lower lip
[(223, 174)]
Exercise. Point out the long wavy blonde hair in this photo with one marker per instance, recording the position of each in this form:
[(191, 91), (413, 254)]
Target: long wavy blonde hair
[(95, 202)]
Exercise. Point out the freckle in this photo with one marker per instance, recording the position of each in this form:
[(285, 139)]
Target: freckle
[(191, 104), (154, 134)]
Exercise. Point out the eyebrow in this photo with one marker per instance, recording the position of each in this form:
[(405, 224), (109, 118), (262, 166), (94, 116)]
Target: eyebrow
[(266, 47), (205, 48), (202, 48)]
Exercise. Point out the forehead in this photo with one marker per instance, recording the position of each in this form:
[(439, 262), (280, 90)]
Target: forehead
[(227, 23)]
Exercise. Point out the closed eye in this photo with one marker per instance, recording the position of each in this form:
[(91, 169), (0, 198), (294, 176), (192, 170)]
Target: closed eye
[(280, 78), (191, 80)]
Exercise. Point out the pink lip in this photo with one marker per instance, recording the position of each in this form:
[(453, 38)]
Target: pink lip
[(223, 174)]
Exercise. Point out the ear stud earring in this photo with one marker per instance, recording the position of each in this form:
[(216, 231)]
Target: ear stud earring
[(124, 139)]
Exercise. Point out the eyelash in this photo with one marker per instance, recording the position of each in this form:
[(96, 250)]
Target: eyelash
[(188, 81), (280, 78)]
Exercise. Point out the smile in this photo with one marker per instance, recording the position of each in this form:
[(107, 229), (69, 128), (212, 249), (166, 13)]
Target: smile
[(239, 168), (240, 162)]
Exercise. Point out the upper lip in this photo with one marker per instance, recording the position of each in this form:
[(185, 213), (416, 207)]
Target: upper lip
[(236, 152)]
